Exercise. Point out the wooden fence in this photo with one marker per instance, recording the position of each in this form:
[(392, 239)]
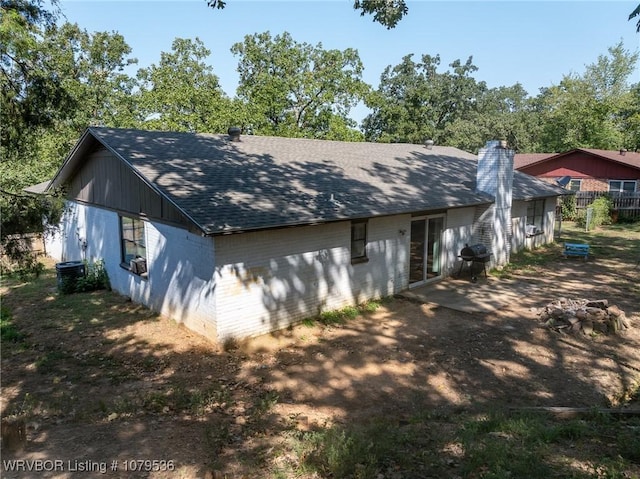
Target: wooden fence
[(626, 203)]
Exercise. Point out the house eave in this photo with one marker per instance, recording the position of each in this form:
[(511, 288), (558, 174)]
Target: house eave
[(322, 221), (555, 156)]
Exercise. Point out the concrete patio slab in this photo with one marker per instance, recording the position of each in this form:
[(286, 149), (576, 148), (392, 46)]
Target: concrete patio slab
[(484, 296)]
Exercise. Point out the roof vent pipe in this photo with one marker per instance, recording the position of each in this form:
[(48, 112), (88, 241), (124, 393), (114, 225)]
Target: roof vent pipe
[(234, 133), (623, 151), (428, 144)]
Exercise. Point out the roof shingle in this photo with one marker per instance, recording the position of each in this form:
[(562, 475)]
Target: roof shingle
[(262, 182)]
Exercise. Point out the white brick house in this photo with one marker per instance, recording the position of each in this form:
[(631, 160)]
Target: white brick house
[(238, 237)]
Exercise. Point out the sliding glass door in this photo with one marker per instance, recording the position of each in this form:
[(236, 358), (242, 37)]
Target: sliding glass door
[(425, 262)]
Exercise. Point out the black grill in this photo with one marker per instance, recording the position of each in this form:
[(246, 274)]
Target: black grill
[(476, 253)]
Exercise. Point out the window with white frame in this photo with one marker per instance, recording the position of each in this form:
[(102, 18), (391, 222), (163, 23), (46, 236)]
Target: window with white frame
[(132, 245), (358, 241), (618, 186), (535, 217), (574, 185)]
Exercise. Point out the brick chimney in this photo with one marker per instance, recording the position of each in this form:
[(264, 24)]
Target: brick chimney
[(495, 177)]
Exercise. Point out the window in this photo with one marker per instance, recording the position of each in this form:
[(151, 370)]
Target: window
[(358, 241), (621, 185), (535, 217), (134, 251), (574, 185)]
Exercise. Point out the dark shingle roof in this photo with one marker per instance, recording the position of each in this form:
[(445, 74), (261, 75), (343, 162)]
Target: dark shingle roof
[(261, 182)]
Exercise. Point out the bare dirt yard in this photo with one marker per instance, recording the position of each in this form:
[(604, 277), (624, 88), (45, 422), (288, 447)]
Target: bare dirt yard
[(106, 387)]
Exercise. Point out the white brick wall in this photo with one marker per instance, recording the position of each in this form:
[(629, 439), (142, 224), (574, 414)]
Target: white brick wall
[(519, 240), (458, 232), (269, 279), (93, 226), (387, 271), (181, 279), (252, 283)]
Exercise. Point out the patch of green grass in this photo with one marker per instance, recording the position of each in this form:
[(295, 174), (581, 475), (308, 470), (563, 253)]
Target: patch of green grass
[(309, 322), (371, 306), (347, 452), (529, 261), (170, 400), (341, 316), (381, 448), (330, 318), (504, 447), (623, 239), (498, 446), (264, 403), (527, 445), (9, 333), (52, 361), (620, 242)]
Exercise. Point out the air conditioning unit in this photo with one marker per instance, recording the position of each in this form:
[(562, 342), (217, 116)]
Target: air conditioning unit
[(138, 266), (532, 230)]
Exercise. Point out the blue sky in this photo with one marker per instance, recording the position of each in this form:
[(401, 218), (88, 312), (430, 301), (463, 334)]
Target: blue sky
[(531, 43)]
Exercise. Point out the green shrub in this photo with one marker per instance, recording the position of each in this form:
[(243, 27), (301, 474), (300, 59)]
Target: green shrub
[(601, 213), (95, 278), (569, 208)]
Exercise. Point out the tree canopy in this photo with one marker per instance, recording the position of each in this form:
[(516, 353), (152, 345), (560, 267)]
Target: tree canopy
[(32, 95), (636, 13), (595, 109), (298, 89), (415, 102), (181, 92)]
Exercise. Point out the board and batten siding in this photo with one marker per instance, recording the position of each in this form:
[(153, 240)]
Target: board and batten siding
[(180, 282), (119, 188), (267, 280)]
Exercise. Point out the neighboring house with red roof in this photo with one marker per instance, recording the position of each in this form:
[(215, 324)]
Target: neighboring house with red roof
[(238, 236), (589, 169)]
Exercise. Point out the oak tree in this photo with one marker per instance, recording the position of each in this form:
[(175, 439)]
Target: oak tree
[(181, 92), (298, 89), (415, 101)]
